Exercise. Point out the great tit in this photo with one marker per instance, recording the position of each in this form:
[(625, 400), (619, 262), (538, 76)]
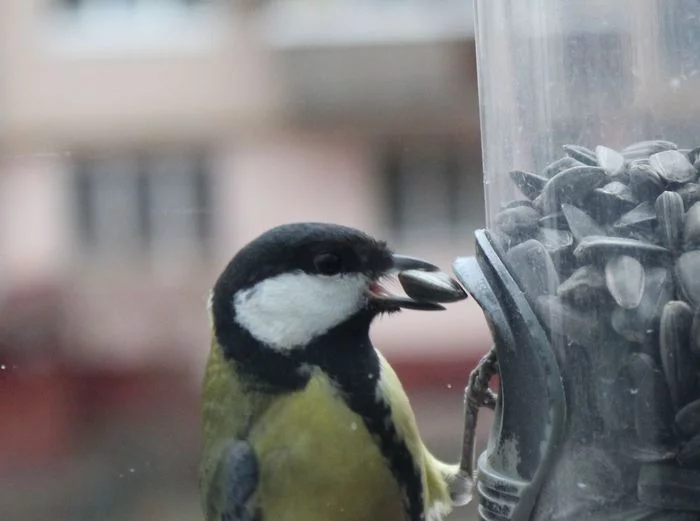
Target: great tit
[(303, 419)]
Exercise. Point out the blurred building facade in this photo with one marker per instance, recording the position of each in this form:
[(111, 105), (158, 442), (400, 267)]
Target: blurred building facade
[(142, 142), (145, 141)]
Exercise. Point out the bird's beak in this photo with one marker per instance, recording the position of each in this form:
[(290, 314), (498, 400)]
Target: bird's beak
[(424, 283)]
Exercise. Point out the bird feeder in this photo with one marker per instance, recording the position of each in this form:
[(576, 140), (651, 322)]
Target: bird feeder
[(588, 270)]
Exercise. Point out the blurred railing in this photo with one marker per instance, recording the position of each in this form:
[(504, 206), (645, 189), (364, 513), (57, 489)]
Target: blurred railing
[(324, 23), (387, 65)]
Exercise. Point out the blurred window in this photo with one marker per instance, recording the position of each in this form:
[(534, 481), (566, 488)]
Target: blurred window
[(100, 26), (434, 188), (157, 202), (124, 4)]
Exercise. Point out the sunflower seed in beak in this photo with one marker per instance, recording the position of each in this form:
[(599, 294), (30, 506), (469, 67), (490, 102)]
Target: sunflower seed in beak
[(431, 286)]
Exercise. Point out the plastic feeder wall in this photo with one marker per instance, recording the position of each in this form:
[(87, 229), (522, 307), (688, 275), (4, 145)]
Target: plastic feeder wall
[(588, 271)]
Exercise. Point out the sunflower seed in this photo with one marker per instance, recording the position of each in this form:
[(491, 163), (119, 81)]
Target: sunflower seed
[(650, 453), (565, 262), (561, 164), (518, 222), (691, 231), (582, 154), (610, 160), (653, 415), (594, 247), (695, 334), (616, 197), (530, 184), (688, 419), (670, 213), (672, 166), (555, 221), (693, 155), (517, 203), (639, 161), (569, 323), (580, 223), (689, 455), (624, 277), (641, 218), (658, 290), (643, 149), (639, 324), (690, 193), (676, 359), (669, 487), (629, 325), (431, 286), (532, 267), (585, 284), (647, 234), (570, 186), (645, 183), (555, 241), (687, 269)]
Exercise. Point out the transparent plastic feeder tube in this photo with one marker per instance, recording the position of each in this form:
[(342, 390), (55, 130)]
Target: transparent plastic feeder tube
[(590, 113)]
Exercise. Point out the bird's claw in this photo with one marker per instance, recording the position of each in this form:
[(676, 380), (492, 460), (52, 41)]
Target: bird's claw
[(489, 399), (478, 394)]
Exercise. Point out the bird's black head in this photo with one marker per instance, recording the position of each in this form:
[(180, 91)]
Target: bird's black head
[(297, 282)]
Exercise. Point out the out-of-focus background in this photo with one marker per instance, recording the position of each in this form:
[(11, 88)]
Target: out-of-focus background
[(142, 142)]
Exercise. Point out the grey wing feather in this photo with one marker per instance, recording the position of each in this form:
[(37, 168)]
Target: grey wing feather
[(238, 476)]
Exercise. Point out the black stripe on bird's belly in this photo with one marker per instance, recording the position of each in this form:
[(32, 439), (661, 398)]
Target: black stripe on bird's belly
[(355, 369)]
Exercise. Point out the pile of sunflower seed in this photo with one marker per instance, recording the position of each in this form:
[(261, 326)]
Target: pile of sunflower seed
[(605, 245)]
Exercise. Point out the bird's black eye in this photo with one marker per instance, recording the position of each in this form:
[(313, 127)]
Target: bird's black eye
[(327, 263)]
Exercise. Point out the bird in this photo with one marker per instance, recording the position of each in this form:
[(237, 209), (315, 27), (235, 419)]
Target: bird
[(303, 419)]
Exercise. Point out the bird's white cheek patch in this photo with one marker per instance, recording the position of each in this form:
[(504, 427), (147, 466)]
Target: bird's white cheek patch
[(292, 309)]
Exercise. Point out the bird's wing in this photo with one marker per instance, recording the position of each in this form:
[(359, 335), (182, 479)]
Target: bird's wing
[(231, 496)]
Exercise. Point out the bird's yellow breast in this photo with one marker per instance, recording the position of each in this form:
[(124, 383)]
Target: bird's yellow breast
[(319, 462)]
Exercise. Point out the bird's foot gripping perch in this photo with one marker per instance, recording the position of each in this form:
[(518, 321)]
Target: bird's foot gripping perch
[(476, 395)]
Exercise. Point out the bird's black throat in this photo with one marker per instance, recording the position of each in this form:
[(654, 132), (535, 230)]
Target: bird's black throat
[(347, 356)]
